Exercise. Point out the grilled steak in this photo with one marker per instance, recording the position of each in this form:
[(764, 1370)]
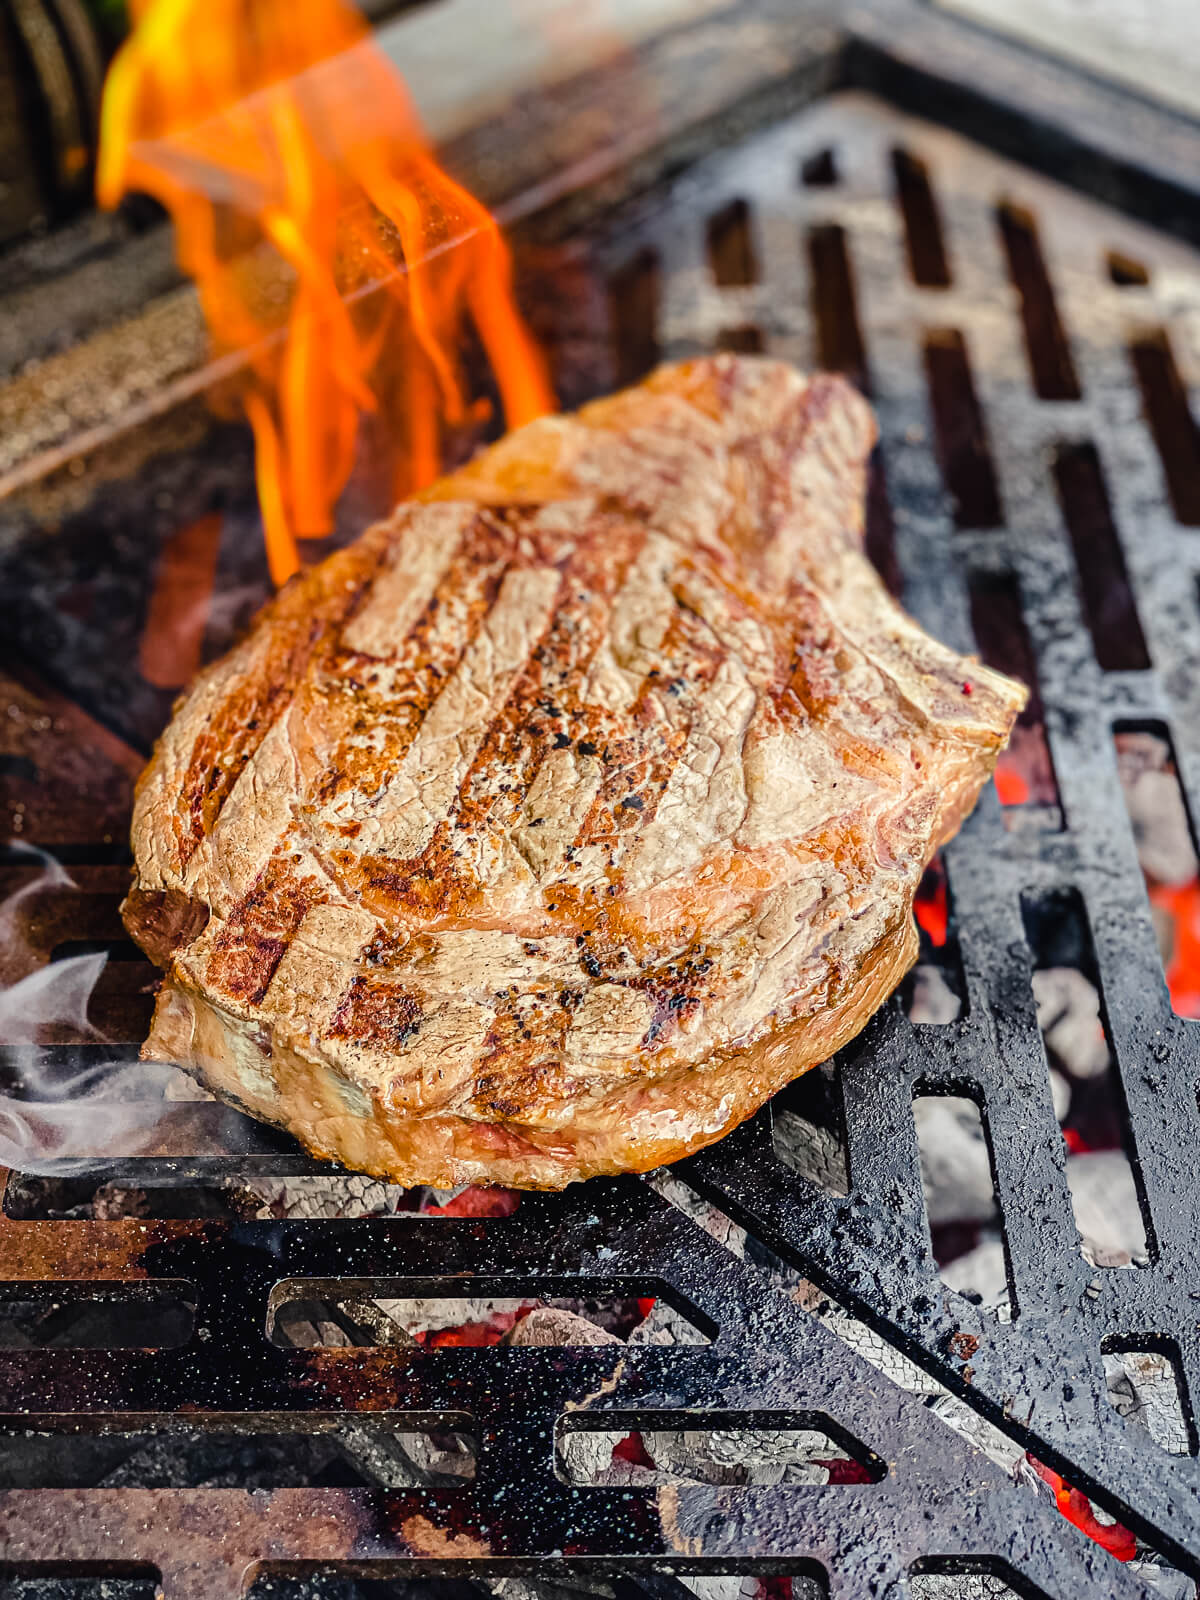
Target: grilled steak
[(554, 825)]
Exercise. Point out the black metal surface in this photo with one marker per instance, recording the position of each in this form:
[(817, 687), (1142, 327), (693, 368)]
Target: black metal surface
[(769, 1363), (1039, 1378)]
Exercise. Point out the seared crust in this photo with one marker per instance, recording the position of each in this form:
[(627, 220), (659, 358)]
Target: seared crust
[(553, 826)]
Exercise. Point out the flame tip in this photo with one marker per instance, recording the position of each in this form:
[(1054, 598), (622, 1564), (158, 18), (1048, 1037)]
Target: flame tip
[(327, 245)]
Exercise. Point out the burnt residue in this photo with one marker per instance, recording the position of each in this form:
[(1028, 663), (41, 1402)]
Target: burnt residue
[(678, 989)]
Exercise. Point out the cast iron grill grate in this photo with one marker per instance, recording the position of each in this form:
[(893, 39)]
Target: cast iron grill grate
[(1028, 353)]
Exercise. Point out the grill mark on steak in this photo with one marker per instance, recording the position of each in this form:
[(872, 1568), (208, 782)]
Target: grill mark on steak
[(384, 1013), (303, 621), (416, 793), (261, 926), (224, 749), (544, 710), (526, 731), (521, 1054), (638, 766), (399, 691)]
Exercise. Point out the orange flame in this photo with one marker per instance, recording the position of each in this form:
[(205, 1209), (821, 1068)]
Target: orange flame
[(325, 241)]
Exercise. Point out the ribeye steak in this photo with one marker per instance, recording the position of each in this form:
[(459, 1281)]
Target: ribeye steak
[(555, 824)]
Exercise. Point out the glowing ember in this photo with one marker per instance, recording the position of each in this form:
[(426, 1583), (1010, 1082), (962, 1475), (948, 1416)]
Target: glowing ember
[(473, 1335), (1078, 1509), (1011, 785), (326, 243), (1167, 854), (932, 905), (477, 1202), (631, 1449), (1181, 903)]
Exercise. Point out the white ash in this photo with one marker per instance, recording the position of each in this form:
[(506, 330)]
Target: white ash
[(353, 1322), (749, 1588), (932, 1001), (730, 1457), (665, 1325), (438, 1313), (572, 1586), (1143, 1388), (552, 1325), (811, 1151), (709, 1217), (1156, 808), (980, 1273), (1105, 1203), (430, 1460), (1060, 1094), (1068, 1014), (114, 1200), (1163, 1580), (959, 1586), (381, 1320), (320, 1197), (955, 1167)]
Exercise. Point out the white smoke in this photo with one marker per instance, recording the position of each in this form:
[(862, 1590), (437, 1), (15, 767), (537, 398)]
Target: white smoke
[(51, 1123), (56, 995)]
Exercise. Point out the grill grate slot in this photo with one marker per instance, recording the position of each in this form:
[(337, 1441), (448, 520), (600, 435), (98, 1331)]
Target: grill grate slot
[(1165, 402), (880, 538), (1145, 1386), (950, 1579), (745, 340), (1165, 841), (78, 1581), (1125, 272), (1108, 601), (934, 992), (922, 222), (1095, 1125), (963, 448), (633, 295), (819, 171), (731, 1451), (273, 1453), (731, 247), (958, 1176), (840, 345), (1025, 771), (1045, 338)]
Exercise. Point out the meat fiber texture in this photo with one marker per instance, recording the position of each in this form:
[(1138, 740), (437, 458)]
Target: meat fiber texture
[(553, 826)]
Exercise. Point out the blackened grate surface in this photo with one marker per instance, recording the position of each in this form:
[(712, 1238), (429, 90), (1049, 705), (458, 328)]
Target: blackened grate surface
[(818, 268)]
